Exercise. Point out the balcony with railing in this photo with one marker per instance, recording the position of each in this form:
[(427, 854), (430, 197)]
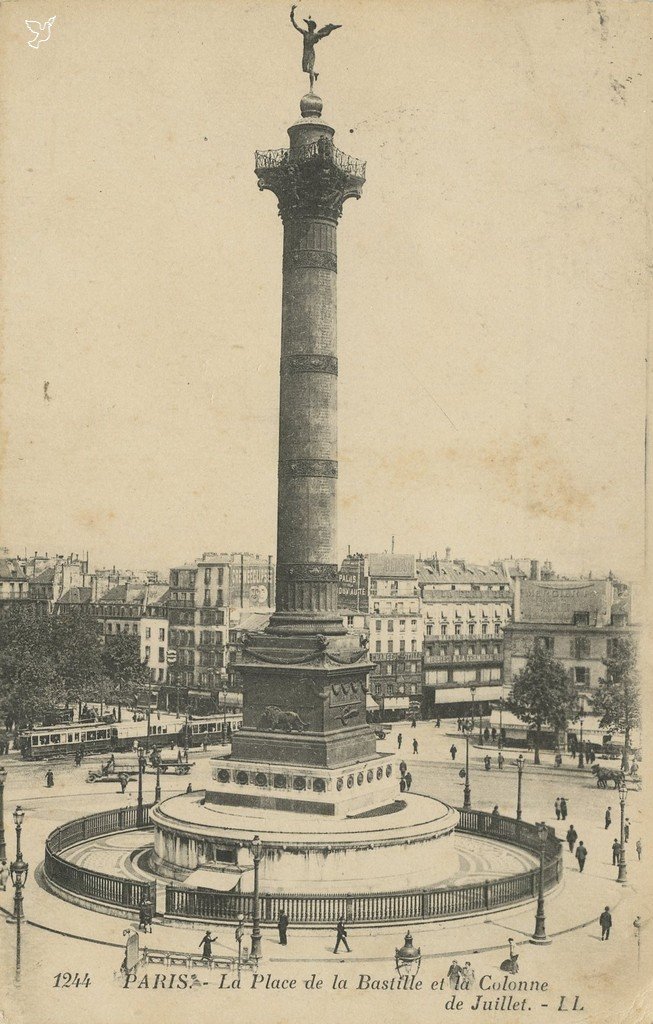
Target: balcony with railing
[(322, 151)]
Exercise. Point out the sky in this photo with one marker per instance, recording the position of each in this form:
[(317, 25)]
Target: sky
[(492, 303)]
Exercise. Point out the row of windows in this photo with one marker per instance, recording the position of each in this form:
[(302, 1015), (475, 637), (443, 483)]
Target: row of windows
[(162, 653), (148, 633), (458, 629), (398, 667), (443, 654), (391, 625), (378, 690), (390, 646), (126, 627)]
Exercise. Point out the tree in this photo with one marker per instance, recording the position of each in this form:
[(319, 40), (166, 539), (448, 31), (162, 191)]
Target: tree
[(29, 682), (617, 698), (78, 651), (543, 694), (123, 668)]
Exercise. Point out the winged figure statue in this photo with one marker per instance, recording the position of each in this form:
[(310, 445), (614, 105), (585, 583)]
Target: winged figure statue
[(311, 37)]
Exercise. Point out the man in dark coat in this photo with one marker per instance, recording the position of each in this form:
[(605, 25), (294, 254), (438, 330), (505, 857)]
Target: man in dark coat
[(608, 817), (453, 750), (563, 808), (572, 836), (415, 747), (207, 944), (605, 921), (341, 933), (616, 849), (581, 855), (409, 780), (282, 925), (453, 974)]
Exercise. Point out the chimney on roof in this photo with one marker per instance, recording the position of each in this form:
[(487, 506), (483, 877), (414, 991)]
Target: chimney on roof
[(535, 569), (393, 544), (447, 554)]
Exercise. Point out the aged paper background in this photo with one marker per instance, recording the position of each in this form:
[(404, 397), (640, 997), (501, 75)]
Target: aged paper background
[(493, 296)]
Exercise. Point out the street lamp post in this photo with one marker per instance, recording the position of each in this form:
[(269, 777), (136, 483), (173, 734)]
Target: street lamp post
[(539, 935), (408, 958), (500, 743), (472, 690), (623, 871), (240, 931), (157, 788), (581, 756), (139, 802), (467, 801), (3, 845), (520, 769), (224, 723), (18, 870), (256, 848)]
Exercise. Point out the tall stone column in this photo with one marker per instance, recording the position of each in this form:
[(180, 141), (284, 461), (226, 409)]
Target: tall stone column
[(311, 180), (304, 678)]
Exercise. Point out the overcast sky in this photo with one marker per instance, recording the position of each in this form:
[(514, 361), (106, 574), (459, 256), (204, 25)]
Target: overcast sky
[(492, 282)]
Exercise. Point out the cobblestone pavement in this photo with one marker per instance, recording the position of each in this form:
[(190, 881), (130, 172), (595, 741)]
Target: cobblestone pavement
[(59, 937)]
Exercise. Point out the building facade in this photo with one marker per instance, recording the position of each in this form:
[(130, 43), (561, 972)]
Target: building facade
[(576, 620), (205, 599), (466, 609)]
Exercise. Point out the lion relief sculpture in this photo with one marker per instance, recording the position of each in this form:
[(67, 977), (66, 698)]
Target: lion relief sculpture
[(275, 719)]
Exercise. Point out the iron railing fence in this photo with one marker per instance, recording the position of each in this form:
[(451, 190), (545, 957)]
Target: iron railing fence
[(306, 908)]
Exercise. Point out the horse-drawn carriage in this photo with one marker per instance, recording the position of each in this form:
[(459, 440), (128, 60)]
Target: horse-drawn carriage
[(616, 776)]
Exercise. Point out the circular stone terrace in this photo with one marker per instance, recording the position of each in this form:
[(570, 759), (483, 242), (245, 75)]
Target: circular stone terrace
[(106, 862)]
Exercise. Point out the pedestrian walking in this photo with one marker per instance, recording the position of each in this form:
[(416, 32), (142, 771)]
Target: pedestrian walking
[(189, 787), (341, 936), (638, 847), (500, 761), (453, 750), (495, 811), (468, 977), (402, 767), (402, 784), (488, 762), (145, 914), (49, 778), (123, 780), (399, 739), (486, 736), (563, 808), (453, 974), (179, 756), (627, 830), (494, 734), (605, 921), (581, 855), (437, 723), (558, 760), (415, 747), (572, 836), (413, 723), (608, 817), (459, 725), (409, 780), (206, 945), (282, 925), (4, 875), (557, 807), (616, 849)]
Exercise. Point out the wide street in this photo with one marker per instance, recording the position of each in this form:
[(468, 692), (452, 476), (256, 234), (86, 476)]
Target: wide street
[(59, 937)]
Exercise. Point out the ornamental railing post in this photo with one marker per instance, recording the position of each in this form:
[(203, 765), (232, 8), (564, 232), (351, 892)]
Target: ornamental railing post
[(486, 894)]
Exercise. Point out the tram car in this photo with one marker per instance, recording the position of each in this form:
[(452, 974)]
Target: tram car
[(209, 730), (61, 740)]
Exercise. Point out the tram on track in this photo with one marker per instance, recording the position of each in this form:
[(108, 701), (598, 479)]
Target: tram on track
[(90, 737)]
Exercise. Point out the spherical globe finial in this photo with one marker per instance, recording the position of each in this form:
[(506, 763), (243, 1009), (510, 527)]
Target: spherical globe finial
[(310, 105)]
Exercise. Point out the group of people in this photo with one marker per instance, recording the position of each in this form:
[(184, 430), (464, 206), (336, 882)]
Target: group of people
[(405, 779), (400, 740), (461, 976), (560, 807)]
